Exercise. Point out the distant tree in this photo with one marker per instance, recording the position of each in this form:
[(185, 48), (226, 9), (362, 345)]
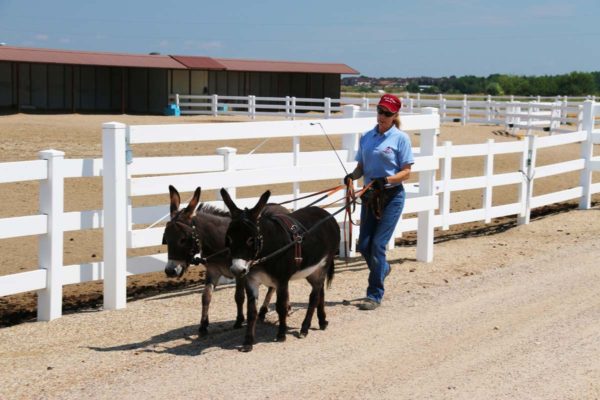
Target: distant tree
[(494, 89), (573, 84), (576, 84), (515, 85), (413, 87)]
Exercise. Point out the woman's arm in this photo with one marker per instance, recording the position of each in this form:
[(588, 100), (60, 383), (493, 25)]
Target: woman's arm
[(401, 175), (357, 173)]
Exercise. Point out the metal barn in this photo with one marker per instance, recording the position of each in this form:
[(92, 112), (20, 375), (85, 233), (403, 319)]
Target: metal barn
[(44, 80)]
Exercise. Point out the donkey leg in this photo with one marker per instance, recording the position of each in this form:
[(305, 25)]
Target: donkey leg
[(206, 298), (321, 310), (239, 302), (282, 308), (252, 294), (310, 311), (265, 306)]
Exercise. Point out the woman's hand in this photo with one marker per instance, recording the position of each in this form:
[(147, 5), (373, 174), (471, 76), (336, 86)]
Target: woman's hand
[(379, 183)]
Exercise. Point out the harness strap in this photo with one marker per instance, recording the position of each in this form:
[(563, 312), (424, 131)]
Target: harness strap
[(204, 260), (328, 192), (293, 242), (295, 227)]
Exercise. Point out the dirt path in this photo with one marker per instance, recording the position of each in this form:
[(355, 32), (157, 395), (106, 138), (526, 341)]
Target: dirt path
[(515, 315)]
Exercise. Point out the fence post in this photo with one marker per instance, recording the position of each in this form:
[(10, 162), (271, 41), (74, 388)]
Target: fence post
[(296, 163), (444, 109), (293, 107), (489, 175), (350, 143), (177, 100), (365, 103), (327, 107), (565, 105), (214, 105), (465, 110), (554, 117), (287, 107), (446, 177), (49, 300), (229, 162), (350, 140), (528, 160), (252, 106), (426, 188), (587, 151), (488, 109), (410, 105), (114, 182)]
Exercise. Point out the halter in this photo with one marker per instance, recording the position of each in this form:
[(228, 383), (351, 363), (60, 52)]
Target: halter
[(196, 244), (258, 237)]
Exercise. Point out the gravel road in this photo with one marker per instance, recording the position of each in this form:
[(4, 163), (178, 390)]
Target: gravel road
[(513, 315)]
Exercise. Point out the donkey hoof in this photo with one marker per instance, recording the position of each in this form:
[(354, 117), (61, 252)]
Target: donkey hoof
[(238, 324), (202, 332), (323, 325), (303, 334), (281, 337), (246, 348), (262, 314)]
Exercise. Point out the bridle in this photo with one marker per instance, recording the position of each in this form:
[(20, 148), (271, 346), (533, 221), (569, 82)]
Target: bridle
[(257, 237), (196, 247), (193, 238)]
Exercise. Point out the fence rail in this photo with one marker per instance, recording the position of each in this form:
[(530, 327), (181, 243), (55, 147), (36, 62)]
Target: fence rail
[(127, 177), (550, 114)]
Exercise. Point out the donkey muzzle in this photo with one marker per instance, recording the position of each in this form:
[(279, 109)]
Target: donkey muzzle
[(175, 269), (239, 267)]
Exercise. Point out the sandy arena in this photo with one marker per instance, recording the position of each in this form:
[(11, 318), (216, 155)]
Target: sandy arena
[(503, 312)]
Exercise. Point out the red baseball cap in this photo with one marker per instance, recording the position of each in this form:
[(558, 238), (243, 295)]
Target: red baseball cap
[(391, 102)]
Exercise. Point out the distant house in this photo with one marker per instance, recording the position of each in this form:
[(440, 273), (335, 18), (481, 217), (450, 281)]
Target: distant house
[(33, 79)]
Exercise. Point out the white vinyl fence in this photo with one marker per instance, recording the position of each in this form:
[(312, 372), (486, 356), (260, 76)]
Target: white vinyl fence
[(251, 106), (152, 176), (514, 113), (126, 177)]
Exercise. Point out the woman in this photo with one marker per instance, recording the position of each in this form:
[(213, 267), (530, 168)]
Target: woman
[(385, 158)]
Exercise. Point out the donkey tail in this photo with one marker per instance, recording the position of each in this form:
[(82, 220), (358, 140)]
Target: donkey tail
[(330, 272)]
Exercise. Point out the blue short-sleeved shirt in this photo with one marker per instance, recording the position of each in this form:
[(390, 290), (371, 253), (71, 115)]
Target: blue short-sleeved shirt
[(384, 155)]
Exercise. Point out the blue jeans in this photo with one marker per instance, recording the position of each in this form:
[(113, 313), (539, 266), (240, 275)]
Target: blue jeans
[(373, 239)]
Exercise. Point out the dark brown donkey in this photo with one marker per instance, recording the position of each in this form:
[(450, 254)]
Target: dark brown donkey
[(272, 249), (192, 231)]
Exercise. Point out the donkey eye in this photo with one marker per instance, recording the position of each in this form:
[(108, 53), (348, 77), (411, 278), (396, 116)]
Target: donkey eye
[(250, 242)]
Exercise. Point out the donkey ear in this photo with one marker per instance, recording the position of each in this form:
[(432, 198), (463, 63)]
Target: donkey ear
[(193, 204), (175, 200), (233, 209), (255, 212)]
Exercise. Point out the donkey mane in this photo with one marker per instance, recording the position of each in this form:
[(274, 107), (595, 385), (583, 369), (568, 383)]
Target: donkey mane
[(209, 209)]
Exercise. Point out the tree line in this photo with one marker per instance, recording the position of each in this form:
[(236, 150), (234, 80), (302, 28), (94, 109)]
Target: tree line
[(572, 84)]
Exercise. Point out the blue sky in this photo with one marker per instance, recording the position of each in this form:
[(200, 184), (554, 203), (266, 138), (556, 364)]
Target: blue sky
[(384, 38)]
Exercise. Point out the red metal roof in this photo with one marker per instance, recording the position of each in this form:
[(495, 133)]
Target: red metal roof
[(193, 62), (36, 55), (285, 66), (21, 54)]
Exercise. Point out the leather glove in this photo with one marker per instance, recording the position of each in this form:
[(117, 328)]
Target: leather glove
[(348, 178), (379, 183)]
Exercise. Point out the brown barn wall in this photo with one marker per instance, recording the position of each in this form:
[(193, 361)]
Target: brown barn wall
[(86, 88)]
